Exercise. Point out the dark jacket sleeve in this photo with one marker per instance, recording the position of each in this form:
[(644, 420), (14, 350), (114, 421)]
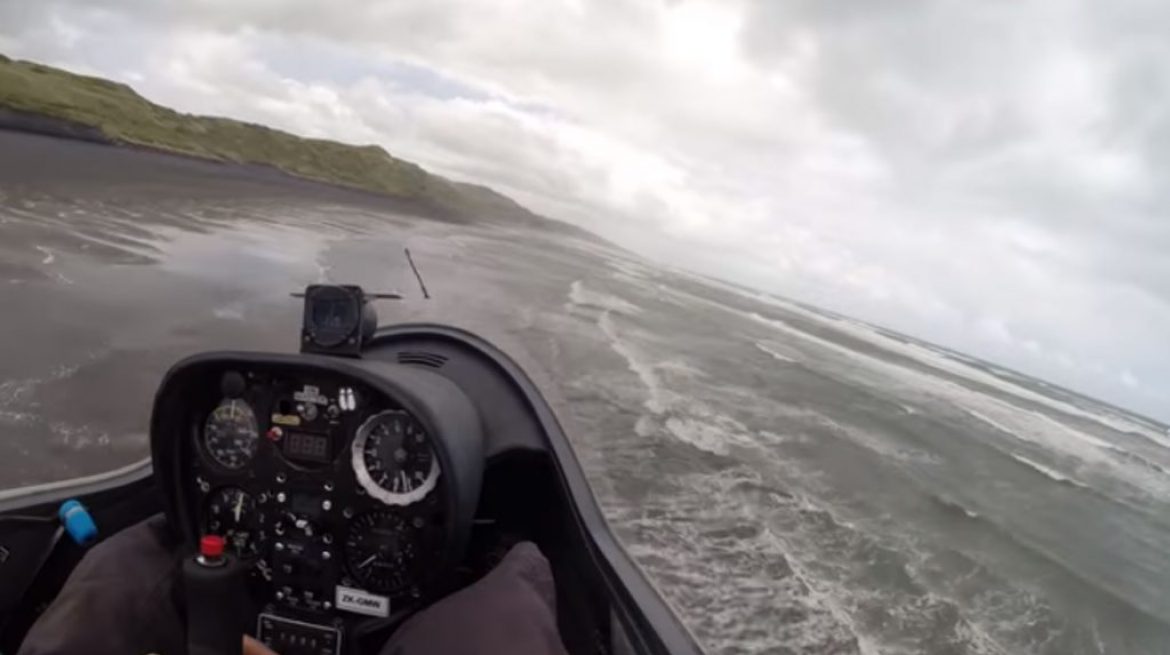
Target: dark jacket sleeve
[(120, 600), (511, 610)]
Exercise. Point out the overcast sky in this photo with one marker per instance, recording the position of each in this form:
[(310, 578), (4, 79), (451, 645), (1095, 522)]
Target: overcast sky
[(988, 175)]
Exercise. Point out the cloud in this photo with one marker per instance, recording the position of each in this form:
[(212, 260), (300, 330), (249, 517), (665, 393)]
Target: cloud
[(985, 175)]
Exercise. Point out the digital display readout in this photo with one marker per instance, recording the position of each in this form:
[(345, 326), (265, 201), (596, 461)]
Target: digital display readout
[(306, 446)]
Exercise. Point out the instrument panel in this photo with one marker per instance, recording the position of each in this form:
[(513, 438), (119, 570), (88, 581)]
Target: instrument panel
[(332, 489)]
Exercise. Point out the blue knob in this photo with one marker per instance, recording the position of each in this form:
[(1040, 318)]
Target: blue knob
[(78, 523)]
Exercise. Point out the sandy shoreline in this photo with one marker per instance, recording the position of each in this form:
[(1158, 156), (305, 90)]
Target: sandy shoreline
[(31, 158)]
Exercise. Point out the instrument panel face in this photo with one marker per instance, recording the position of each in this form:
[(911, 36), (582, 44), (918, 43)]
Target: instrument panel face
[(231, 435), (334, 491)]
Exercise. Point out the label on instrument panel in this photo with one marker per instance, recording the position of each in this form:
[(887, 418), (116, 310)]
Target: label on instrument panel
[(286, 419), (310, 394), (362, 602)]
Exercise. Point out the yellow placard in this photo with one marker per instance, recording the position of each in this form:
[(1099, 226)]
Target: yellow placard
[(286, 419)]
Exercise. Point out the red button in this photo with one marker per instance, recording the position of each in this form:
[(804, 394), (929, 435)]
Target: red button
[(211, 546)]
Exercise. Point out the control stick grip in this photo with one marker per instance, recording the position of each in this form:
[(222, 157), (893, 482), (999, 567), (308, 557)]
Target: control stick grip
[(218, 607)]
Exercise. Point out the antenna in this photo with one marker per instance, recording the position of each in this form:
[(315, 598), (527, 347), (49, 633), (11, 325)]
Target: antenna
[(422, 285), (383, 296)]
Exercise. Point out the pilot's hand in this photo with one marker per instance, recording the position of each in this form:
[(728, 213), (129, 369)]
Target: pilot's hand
[(253, 647)]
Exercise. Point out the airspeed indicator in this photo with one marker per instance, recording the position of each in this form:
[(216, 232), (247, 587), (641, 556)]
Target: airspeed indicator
[(393, 458)]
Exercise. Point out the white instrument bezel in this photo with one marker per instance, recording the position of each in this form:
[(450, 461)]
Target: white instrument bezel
[(358, 461)]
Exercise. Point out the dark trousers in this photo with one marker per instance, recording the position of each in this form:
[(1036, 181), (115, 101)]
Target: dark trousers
[(121, 600)]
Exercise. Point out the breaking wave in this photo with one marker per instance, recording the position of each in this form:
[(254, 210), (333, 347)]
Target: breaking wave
[(1048, 472)]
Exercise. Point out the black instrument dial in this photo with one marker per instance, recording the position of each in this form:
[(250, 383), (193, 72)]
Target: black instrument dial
[(332, 314), (231, 435), (231, 513), (393, 458), (380, 551)]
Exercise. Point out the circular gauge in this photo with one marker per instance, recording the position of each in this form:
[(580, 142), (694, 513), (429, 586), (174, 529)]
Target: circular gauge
[(393, 458), (231, 512), (380, 551), (231, 435)]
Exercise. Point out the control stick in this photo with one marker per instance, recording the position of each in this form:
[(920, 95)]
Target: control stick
[(218, 608)]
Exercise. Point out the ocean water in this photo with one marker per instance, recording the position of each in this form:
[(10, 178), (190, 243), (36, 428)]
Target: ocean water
[(791, 480)]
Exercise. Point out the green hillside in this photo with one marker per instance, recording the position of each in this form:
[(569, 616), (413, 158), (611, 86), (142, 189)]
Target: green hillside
[(121, 116)]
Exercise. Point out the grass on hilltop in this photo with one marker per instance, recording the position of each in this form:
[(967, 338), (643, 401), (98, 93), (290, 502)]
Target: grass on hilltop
[(124, 117)]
